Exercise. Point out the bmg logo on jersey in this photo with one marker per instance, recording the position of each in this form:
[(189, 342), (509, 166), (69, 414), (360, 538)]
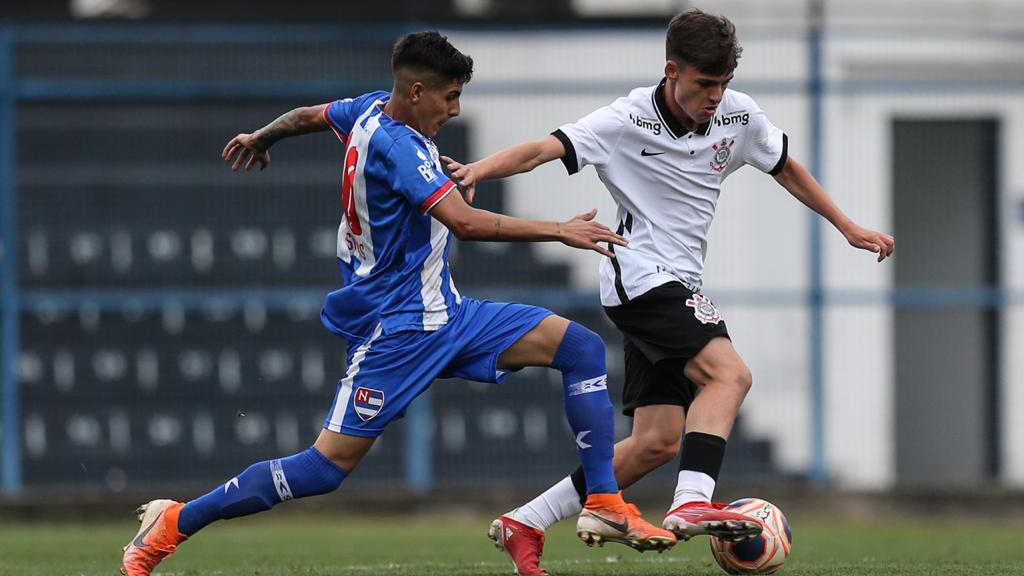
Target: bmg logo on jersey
[(741, 117), (426, 168), (647, 124)]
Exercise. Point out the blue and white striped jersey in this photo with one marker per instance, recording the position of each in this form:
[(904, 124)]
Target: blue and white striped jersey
[(393, 256)]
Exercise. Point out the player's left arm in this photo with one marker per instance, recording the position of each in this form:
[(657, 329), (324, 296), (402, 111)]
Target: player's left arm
[(254, 147), (803, 186), (469, 223)]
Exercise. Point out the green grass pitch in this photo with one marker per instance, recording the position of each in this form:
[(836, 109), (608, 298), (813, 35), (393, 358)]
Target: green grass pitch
[(321, 545)]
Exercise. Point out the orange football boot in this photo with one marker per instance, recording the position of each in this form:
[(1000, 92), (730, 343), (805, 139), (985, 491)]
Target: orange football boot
[(606, 517), (157, 539)]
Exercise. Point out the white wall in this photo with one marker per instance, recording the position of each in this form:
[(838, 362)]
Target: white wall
[(526, 85)]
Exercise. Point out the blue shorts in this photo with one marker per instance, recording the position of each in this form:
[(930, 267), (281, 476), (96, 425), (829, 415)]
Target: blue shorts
[(387, 372)]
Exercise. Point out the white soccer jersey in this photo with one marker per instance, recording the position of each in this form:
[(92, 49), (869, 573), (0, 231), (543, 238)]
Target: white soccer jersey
[(666, 180)]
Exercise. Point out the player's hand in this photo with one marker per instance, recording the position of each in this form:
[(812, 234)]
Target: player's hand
[(464, 176), (882, 244), (583, 232), (248, 151)]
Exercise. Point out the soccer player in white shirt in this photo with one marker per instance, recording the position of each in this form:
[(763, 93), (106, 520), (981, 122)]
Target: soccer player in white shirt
[(663, 152)]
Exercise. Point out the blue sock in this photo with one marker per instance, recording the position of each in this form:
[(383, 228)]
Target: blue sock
[(580, 358), (261, 486)]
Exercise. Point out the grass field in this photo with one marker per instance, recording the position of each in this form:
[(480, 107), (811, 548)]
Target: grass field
[(296, 545)]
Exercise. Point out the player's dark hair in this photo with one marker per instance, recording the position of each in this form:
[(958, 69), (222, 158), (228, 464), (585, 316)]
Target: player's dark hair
[(431, 52), (705, 41)]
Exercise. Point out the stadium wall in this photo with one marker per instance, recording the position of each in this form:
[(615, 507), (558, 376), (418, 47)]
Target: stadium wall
[(529, 82)]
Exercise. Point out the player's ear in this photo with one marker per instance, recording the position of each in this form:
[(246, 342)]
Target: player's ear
[(671, 69), (416, 91)]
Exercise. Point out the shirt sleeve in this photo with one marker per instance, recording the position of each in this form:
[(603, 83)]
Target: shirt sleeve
[(416, 176), (766, 146), (340, 116), (591, 139)]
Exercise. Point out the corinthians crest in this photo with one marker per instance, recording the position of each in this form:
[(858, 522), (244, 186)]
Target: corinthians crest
[(703, 309), (723, 150)]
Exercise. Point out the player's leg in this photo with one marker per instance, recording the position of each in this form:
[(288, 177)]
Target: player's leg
[(653, 442), (399, 368), (683, 336), (580, 355), (317, 470), (724, 381), (656, 397), (261, 486)]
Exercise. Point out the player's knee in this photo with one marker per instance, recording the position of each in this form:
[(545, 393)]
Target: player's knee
[(656, 450), (309, 473), (737, 379), (581, 348), (743, 379)]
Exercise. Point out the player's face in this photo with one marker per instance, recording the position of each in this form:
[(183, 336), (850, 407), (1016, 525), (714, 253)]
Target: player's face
[(438, 105), (697, 94)]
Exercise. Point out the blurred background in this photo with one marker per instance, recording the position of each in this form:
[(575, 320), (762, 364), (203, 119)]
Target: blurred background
[(160, 325)]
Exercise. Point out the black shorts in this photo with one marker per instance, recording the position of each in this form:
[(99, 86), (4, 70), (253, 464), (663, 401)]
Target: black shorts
[(662, 329)]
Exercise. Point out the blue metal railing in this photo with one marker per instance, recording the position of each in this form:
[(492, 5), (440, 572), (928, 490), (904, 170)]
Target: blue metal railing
[(10, 450), (816, 333)]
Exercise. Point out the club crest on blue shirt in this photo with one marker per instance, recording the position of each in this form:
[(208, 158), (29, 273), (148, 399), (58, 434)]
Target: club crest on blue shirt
[(704, 310), (723, 150), (367, 402)]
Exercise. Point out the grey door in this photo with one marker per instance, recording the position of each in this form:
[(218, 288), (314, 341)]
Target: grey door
[(944, 200)]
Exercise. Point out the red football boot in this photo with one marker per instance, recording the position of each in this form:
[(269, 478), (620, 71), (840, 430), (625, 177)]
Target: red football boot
[(709, 518), (523, 544)]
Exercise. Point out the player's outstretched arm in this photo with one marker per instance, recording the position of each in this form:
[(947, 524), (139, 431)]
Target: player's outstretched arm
[(468, 223), (512, 160), (249, 149), (802, 185)]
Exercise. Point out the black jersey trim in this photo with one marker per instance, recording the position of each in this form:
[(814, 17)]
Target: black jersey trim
[(675, 128), (782, 160), (619, 288), (572, 165)]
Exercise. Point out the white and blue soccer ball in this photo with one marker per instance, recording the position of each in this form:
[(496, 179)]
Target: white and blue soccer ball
[(762, 555)]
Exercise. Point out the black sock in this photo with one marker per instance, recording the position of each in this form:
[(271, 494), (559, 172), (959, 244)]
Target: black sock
[(702, 453), (579, 482)]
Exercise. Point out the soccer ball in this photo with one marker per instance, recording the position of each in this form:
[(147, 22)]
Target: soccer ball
[(762, 555)]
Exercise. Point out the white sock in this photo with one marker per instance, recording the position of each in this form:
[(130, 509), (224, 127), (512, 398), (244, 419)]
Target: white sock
[(692, 486), (557, 503)]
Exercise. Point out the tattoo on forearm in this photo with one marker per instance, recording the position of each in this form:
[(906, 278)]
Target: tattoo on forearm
[(497, 227), (285, 125)]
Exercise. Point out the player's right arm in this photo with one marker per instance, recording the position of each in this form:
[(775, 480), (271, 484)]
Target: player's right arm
[(253, 148), (589, 140), (468, 223), (510, 161)]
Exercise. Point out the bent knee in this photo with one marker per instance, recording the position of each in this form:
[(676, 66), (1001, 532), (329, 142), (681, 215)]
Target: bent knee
[(737, 378), (658, 451), (579, 346), (744, 379)]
